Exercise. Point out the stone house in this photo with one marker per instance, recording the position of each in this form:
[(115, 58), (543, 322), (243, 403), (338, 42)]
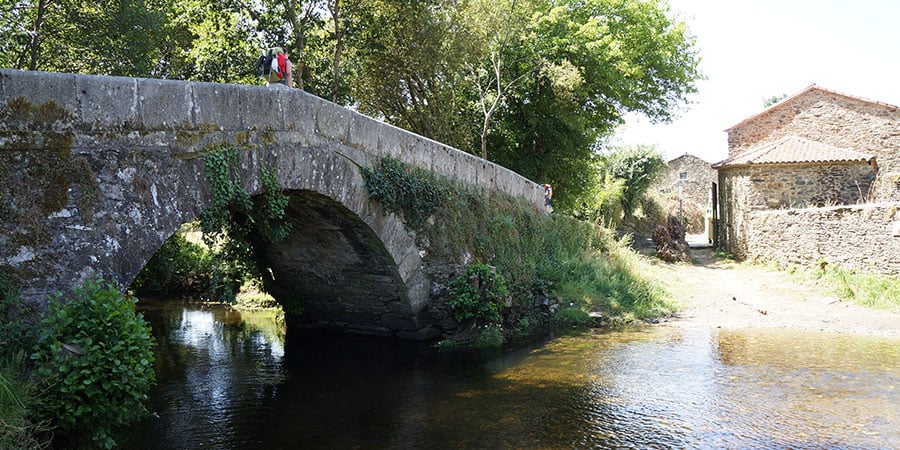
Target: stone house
[(687, 179), (816, 149)]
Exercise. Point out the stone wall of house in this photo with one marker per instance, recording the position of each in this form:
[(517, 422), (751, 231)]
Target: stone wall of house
[(836, 120), (754, 188), (695, 187), (862, 237)]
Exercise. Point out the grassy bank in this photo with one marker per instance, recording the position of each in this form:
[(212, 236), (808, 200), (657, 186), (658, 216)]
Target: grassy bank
[(557, 269), (869, 290)]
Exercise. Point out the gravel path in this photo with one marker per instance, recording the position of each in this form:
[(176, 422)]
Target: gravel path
[(720, 293)]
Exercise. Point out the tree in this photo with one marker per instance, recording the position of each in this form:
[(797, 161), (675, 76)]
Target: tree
[(637, 166), (411, 69), (496, 27), (599, 59), (767, 102), (104, 36)]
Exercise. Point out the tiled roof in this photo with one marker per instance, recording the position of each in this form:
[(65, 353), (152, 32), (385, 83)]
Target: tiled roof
[(792, 150), (812, 87)]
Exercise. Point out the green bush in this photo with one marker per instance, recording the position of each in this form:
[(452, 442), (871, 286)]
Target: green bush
[(94, 362), (235, 216), (412, 192), (490, 337), (478, 294)]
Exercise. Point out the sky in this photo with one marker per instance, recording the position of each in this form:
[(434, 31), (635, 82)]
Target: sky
[(752, 50)]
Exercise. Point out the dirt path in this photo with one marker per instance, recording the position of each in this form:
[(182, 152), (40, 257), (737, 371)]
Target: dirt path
[(718, 293)]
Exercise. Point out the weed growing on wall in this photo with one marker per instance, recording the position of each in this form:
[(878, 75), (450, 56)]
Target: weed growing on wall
[(478, 294), (235, 218), (94, 362)]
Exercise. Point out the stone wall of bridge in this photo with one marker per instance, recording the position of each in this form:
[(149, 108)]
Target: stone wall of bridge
[(96, 172)]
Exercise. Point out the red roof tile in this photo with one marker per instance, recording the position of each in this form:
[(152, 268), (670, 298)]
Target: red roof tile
[(793, 150)]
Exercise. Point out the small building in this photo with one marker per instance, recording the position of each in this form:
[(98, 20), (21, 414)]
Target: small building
[(816, 149), (688, 180)]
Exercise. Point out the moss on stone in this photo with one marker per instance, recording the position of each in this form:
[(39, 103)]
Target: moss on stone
[(242, 137), (268, 137), (37, 169)]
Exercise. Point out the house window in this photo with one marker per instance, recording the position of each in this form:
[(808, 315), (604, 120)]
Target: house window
[(682, 176)]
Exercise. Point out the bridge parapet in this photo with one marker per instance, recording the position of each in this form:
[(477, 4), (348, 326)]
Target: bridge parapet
[(188, 116)]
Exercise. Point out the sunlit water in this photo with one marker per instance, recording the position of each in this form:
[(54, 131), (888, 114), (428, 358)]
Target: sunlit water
[(228, 380)]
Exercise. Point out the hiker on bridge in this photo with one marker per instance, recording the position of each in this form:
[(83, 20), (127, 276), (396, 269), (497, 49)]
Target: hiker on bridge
[(277, 69)]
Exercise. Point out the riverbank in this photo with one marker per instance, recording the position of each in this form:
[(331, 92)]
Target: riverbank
[(720, 293)]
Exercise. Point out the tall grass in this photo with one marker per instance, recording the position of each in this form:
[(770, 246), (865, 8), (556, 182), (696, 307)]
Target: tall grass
[(17, 336), (873, 291), (17, 430), (570, 261)]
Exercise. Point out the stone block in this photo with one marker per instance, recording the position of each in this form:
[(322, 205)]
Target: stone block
[(465, 168), (107, 103), (261, 107), (217, 107), (506, 180), (165, 105), (364, 132), (443, 160), (39, 88), (399, 322), (420, 151), (486, 174), (393, 142), (333, 122), (428, 333), (300, 112)]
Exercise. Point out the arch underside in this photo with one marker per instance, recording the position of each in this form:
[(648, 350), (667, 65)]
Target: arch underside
[(336, 268)]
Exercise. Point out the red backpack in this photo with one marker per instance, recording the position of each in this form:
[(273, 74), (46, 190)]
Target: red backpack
[(274, 65)]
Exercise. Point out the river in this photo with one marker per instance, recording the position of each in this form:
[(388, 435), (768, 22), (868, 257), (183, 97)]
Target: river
[(232, 380)]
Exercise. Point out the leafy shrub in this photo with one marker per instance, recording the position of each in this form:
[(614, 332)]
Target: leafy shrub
[(234, 216), (478, 294), (638, 166), (94, 360), (539, 255), (490, 337)]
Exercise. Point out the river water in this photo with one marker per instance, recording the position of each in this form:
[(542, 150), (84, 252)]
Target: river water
[(235, 380)]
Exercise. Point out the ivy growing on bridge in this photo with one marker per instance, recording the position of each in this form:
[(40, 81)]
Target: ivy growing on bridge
[(235, 218), (411, 192)]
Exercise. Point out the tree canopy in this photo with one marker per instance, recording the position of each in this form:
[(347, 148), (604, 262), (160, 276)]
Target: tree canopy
[(534, 85)]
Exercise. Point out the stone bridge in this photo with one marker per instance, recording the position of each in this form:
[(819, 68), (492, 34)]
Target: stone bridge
[(97, 172)]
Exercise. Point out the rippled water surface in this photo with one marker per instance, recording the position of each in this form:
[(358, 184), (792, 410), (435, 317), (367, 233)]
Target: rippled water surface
[(232, 380)]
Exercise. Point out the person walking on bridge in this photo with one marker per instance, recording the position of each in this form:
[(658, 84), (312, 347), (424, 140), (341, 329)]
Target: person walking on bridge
[(277, 69)]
